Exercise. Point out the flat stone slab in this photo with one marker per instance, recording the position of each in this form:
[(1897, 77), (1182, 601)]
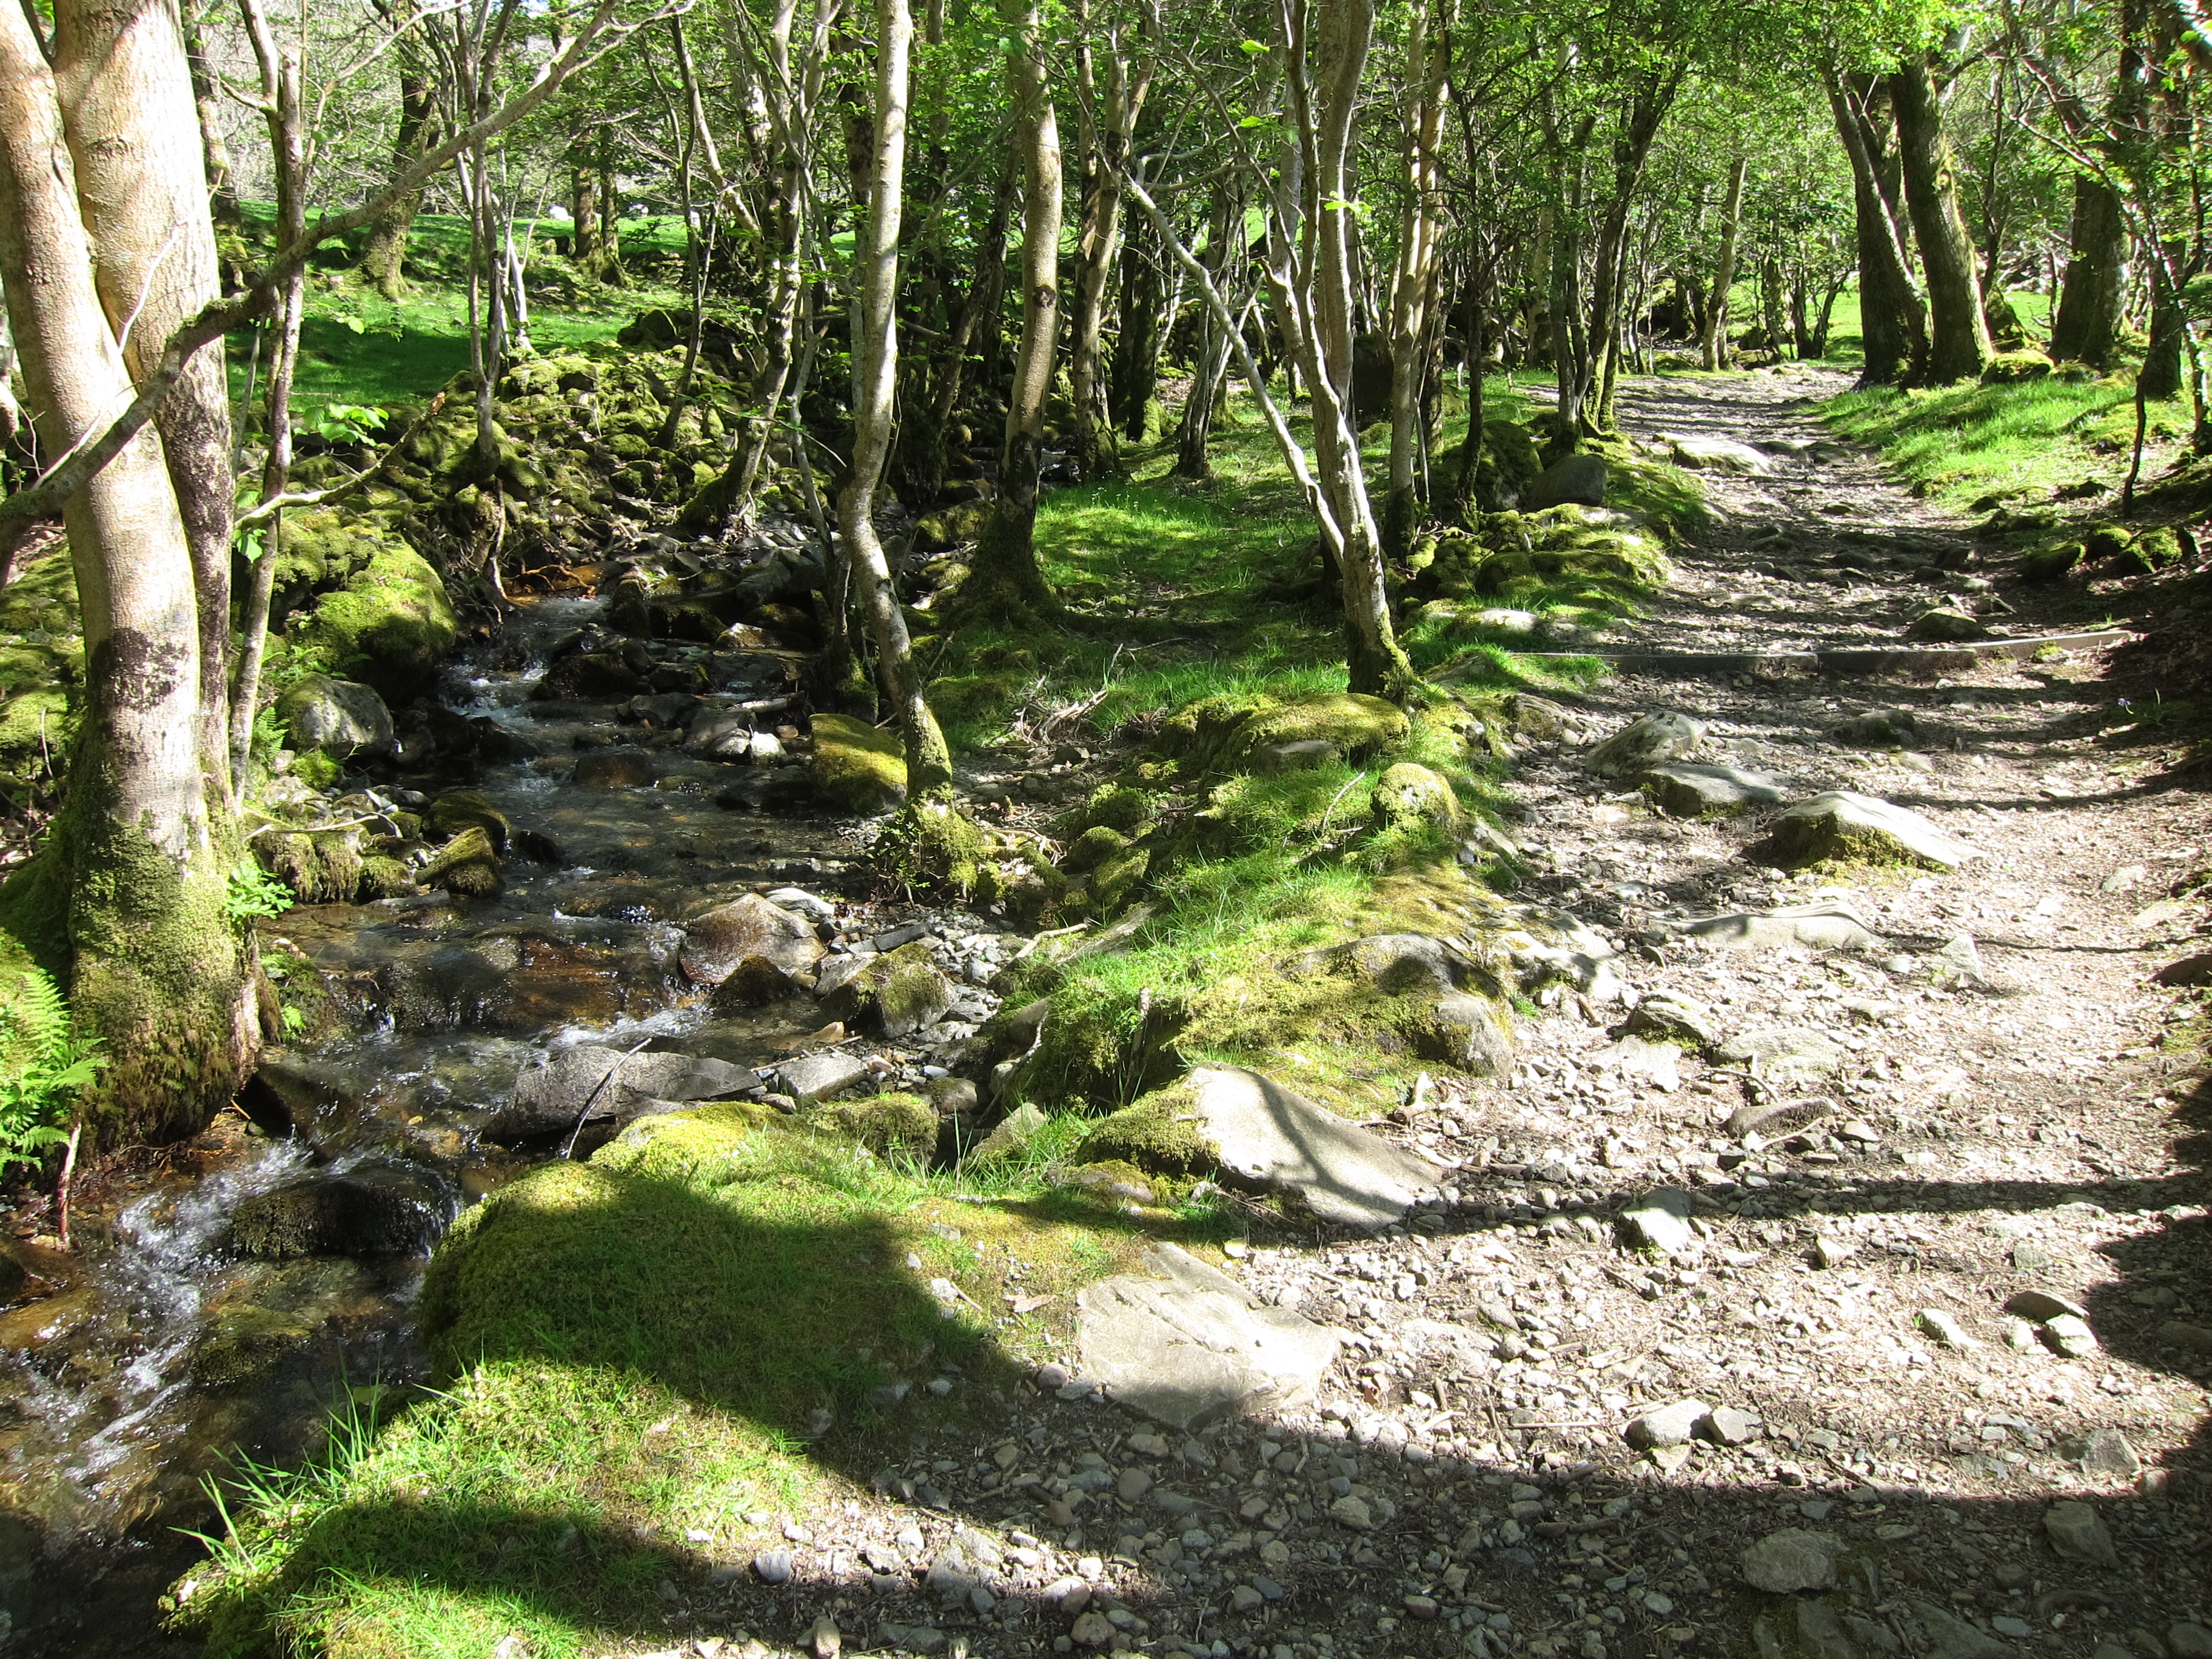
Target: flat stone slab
[(1277, 1139), (1870, 661), (1843, 824), (1782, 1049), (1692, 789), (817, 1077), (1829, 926), (1188, 1346), (596, 1085), (1717, 454)]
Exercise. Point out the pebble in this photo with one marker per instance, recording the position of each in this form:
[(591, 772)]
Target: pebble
[(1731, 1427), (1352, 1512), (2188, 1640), (2107, 1453), (2070, 1336), (1944, 1328), (1667, 1425), (772, 1567)]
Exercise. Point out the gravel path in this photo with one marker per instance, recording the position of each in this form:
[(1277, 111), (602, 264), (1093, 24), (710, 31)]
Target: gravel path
[(1994, 1101)]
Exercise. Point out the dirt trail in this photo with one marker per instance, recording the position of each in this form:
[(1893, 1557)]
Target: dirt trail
[(1993, 1118)]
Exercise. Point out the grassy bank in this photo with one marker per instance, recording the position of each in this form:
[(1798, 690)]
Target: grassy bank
[(1958, 444)]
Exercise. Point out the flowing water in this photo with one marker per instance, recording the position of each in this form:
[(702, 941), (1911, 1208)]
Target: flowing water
[(160, 1350)]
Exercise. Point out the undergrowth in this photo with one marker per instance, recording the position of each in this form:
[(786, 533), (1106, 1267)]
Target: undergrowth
[(44, 1063)]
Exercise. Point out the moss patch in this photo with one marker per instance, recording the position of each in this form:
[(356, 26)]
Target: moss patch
[(890, 1126), (389, 625), (856, 768)]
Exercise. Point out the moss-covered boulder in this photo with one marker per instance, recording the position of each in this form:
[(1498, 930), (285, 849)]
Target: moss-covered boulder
[(897, 993), (890, 1126), (1227, 731), (459, 811), (1093, 848), (1111, 806), (1409, 794), (857, 768), (2016, 368), (2048, 564), (321, 869), (319, 712), (389, 625)]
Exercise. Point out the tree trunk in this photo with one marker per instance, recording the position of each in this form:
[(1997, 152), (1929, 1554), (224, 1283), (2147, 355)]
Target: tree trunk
[(383, 258), (1374, 662), (1210, 362), (1959, 346), (1004, 580), (1428, 55), (1892, 323), (1654, 96), (589, 247), (2161, 376), (1714, 344), (131, 887), (127, 105), (1144, 312), (1098, 246), (1771, 321), (2086, 329), (875, 380), (222, 190)]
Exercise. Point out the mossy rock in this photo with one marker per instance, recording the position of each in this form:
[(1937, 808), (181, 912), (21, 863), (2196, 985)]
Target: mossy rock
[(37, 725), (1224, 731), (2106, 541), (319, 869), (1093, 848), (898, 993), (857, 768), (890, 1126), (459, 811), (243, 1341), (390, 625), (972, 696), (2048, 564), (1411, 794), (1116, 880), (2015, 368), (1159, 1133), (953, 525), (1112, 806)]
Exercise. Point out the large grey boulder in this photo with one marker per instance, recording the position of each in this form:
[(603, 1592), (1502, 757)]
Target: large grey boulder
[(1643, 743), (1188, 1346), (1580, 479), (1464, 1024), (1690, 789), (717, 945), (1830, 925), (1841, 825), (598, 1087), (322, 713)]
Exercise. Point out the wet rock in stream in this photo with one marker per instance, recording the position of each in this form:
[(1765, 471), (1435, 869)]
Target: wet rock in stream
[(371, 1208)]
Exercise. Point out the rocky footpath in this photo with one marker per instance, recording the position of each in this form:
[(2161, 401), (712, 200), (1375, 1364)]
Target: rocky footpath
[(1819, 1271)]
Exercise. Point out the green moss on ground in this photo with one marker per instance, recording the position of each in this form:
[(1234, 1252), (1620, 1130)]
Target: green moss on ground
[(390, 625), (856, 768)]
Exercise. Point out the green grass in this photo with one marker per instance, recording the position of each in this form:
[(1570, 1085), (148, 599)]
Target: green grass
[(357, 347), (1958, 443), (637, 1347)]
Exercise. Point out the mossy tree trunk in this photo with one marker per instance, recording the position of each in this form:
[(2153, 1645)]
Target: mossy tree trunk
[(2086, 329), (1893, 320), (129, 898), (1004, 580), (1114, 97), (1959, 346), (875, 381), (383, 258), (1375, 663), (1146, 308)]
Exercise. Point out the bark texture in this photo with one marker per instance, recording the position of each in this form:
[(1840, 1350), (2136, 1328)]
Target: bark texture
[(1959, 346), (133, 126), (129, 894), (1004, 579), (875, 381), (2086, 329)]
